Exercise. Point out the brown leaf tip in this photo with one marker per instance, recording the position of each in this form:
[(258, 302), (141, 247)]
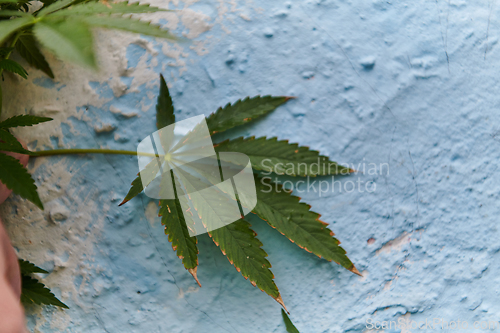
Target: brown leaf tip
[(193, 272), (355, 270), (280, 301)]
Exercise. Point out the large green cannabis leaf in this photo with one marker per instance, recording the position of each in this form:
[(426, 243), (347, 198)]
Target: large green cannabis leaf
[(33, 291), (279, 208), (65, 28)]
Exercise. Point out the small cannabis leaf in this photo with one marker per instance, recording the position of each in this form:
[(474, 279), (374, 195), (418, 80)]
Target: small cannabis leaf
[(33, 291), (290, 328), (283, 158), (13, 67), (242, 112)]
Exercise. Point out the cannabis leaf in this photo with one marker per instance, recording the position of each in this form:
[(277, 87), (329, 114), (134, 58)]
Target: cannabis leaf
[(12, 172), (242, 112), (65, 28), (164, 108), (54, 6), (27, 48), (8, 27), (15, 148), (290, 328), (282, 157), (138, 184), (243, 250), (164, 117), (280, 209), (34, 292), (22, 121), (12, 13), (127, 24), (28, 267), (175, 227), (303, 227), (68, 39), (8, 138), (93, 8), (13, 67), (17, 178)]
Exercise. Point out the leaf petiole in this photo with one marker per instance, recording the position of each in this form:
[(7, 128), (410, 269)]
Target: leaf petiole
[(54, 152)]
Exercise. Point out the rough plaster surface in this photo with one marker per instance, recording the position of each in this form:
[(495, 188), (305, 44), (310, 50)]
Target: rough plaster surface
[(412, 84)]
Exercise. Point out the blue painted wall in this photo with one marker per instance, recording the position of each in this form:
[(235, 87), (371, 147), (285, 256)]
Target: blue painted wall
[(412, 85)]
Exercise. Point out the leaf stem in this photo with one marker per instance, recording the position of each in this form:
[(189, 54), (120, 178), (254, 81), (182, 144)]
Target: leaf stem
[(54, 152)]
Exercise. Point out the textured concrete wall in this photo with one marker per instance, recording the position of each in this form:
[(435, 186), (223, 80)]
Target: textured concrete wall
[(413, 84)]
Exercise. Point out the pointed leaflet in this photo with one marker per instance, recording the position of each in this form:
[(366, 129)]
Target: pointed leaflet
[(28, 268), (68, 39), (8, 27), (138, 184), (13, 13), (242, 112), (23, 120), (54, 6), (8, 138), (164, 117), (175, 227), (126, 24), (92, 8), (34, 292), (28, 49), (290, 328), (164, 107), (15, 148), (13, 67), (243, 250), (282, 157), (294, 219), (17, 178)]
